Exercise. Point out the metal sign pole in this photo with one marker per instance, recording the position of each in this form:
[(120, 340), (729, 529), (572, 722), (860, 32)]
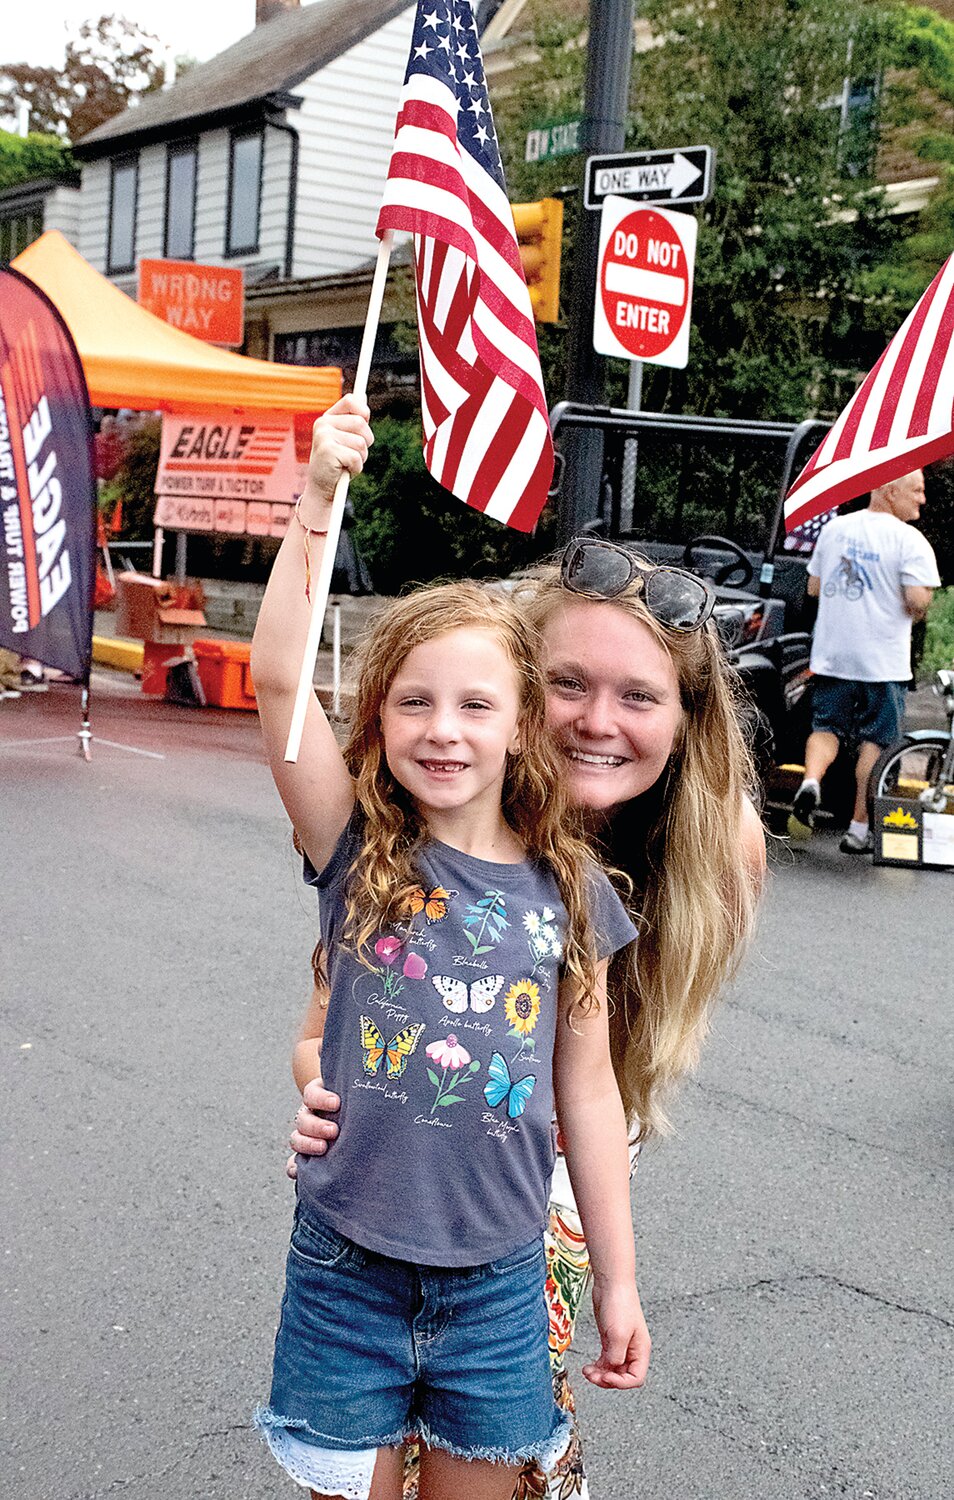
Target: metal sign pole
[(608, 69), (634, 401)]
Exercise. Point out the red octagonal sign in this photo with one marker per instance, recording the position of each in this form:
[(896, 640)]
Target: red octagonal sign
[(644, 292)]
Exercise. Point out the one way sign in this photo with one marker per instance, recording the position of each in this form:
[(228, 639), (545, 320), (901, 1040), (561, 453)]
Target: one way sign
[(682, 175)]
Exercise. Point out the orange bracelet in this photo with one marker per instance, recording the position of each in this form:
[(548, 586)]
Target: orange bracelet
[(309, 531)]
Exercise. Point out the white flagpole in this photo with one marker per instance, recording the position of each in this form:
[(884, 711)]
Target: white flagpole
[(322, 584)]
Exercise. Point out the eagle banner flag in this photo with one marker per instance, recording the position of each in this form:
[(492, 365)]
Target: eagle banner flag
[(899, 419), (47, 488), (486, 429)]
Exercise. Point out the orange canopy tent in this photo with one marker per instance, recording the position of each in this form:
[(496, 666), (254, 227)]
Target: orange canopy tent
[(132, 358)]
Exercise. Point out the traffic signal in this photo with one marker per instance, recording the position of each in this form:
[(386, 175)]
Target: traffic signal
[(539, 229)]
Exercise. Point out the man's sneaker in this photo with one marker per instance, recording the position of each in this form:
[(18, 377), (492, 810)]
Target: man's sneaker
[(802, 820), (852, 844)]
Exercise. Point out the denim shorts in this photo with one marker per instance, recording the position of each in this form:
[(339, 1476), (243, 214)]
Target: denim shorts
[(872, 711), (371, 1351)]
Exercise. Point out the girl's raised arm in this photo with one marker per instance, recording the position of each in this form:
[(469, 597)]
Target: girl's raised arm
[(316, 789)]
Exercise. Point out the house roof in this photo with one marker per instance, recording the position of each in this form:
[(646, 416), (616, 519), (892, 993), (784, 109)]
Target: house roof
[(274, 58), (131, 358), (36, 188)]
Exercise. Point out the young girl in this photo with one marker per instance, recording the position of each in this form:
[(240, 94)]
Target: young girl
[(466, 934)]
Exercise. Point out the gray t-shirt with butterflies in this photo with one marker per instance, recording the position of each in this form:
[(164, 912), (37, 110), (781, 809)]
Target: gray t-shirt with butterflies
[(442, 1057)]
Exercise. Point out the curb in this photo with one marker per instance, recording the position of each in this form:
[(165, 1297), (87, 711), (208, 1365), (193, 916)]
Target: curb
[(112, 651)]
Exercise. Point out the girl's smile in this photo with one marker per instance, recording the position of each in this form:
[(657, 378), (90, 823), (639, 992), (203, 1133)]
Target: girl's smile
[(449, 720)]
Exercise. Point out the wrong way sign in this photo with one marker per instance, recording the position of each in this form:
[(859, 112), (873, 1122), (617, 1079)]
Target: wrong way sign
[(644, 283)]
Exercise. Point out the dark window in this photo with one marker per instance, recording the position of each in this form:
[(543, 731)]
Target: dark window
[(19, 230), (124, 191), (858, 135), (181, 170), (245, 193)]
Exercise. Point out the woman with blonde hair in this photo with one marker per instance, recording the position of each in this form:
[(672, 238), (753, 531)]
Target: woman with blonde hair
[(648, 718)]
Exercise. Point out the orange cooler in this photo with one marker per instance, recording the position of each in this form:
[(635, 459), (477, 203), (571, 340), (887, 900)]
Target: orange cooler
[(224, 673)]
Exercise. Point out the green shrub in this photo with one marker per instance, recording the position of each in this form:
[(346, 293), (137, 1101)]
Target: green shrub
[(939, 639), (25, 158), (410, 530), (134, 481)]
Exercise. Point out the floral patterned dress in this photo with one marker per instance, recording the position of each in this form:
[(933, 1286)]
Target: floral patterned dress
[(568, 1272)]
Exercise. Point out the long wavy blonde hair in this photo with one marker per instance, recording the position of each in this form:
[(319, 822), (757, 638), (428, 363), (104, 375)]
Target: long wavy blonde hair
[(535, 805), (694, 894)]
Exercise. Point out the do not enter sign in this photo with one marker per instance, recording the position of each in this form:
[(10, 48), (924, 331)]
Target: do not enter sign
[(644, 284)]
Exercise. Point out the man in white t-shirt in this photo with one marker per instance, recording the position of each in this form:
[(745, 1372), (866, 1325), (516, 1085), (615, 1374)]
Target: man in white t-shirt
[(872, 574)]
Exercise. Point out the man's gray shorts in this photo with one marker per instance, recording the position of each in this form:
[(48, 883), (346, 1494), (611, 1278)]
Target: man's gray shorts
[(856, 711)]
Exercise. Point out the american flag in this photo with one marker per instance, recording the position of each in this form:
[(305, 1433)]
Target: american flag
[(486, 430), (898, 420), (804, 537)]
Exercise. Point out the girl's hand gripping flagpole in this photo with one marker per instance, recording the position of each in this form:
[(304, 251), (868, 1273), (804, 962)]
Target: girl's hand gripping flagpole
[(322, 584)]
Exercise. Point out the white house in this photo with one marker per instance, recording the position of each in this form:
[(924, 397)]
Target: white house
[(270, 156)]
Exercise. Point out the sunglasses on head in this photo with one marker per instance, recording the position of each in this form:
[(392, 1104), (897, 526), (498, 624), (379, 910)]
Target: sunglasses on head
[(602, 570)]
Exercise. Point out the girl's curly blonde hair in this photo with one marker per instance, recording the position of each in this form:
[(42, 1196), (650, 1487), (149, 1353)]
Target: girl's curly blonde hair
[(535, 805)]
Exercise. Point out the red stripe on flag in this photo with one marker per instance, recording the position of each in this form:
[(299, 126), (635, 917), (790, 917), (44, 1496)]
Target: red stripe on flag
[(869, 478), (501, 448), (940, 350), (425, 116), (452, 360), (860, 401), (526, 513), (522, 383), (465, 418), (901, 369)]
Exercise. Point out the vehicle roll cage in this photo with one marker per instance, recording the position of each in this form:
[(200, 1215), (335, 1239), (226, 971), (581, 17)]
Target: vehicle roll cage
[(624, 423)]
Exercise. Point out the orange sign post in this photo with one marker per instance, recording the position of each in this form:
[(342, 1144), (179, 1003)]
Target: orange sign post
[(206, 301)]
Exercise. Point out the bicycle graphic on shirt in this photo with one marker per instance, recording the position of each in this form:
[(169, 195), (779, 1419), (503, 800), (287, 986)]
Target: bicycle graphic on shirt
[(850, 579)]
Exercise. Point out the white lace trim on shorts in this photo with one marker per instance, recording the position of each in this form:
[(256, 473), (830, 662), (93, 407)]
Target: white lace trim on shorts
[(329, 1471)]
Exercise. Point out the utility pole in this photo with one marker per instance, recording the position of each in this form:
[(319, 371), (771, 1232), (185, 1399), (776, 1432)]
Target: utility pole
[(608, 68)]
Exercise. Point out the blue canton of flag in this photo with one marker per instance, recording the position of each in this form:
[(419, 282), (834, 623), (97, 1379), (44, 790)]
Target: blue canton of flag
[(486, 429), (803, 538)]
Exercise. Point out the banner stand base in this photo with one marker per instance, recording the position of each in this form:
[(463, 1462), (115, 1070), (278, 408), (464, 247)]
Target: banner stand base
[(84, 734)]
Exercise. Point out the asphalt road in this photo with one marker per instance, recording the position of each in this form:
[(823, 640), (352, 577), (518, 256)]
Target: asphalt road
[(796, 1258)]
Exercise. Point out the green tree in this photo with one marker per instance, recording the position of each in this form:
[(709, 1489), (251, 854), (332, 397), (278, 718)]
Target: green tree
[(801, 274), (409, 529), (108, 63), (25, 158)]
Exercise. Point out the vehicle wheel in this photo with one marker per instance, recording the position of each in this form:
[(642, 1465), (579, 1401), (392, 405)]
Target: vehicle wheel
[(908, 766)]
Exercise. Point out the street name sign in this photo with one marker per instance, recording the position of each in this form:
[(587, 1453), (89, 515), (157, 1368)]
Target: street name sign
[(681, 175), (558, 138), (644, 283)]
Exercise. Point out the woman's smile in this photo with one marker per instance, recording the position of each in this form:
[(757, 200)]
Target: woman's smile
[(613, 701)]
